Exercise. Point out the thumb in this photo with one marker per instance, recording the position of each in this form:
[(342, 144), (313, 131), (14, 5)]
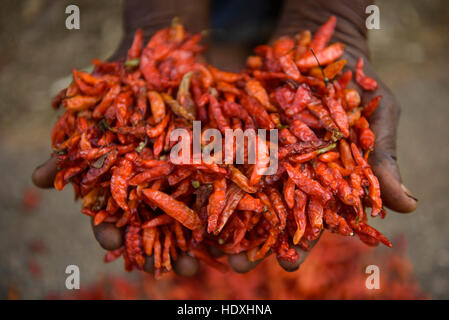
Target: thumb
[(394, 194), (384, 123)]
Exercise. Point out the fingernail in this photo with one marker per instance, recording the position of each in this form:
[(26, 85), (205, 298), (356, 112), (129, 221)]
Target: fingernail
[(408, 193)]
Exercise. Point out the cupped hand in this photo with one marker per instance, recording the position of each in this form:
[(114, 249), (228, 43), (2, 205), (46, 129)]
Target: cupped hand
[(149, 16), (351, 31), (107, 234), (384, 123)]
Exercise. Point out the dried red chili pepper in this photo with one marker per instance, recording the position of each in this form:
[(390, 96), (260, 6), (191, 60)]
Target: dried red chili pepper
[(262, 161), (233, 196), (366, 136), (259, 114), (174, 208), (289, 193), (338, 115), (136, 47), (241, 180), (148, 238), (329, 156), (119, 182), (278, 206), (216, 204), (334, 68), (289, 67), (325, 56), (257, 91), (133, 241), (371, 106), (309, 186), (374, 187), (325, 119), (79, 103), (248, 203), (151, 174), (303, 132), (352, 99), (299, 213), (160, 220), (157, 106), (365, 82), (323, 34), (225, 76), (268, 244), (222, 121)]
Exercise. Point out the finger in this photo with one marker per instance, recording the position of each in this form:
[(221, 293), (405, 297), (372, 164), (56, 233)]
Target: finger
[(240, 263), (186, 266), (44, 175), (394, 194), (384, 122), (108, 235), (293, 266)]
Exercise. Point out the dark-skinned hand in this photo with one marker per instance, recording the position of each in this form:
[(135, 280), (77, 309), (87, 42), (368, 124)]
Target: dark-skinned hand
[(149, 16), (351, 30)]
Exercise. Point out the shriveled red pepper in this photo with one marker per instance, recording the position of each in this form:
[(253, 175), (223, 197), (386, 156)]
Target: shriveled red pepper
[(323, 34), (325, 56), (216, 204), (309, 186), (174, 208), (364, 81), (371, 106)]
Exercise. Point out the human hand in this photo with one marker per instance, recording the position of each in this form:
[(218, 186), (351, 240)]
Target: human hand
[(384, 124), (350, 30), (107, 234), (149, 16)]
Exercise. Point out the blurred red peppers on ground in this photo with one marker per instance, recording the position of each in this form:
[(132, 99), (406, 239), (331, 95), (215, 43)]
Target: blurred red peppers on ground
[(335, 269)]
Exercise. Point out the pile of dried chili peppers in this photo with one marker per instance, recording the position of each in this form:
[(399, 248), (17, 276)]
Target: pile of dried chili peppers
[(113, 143)]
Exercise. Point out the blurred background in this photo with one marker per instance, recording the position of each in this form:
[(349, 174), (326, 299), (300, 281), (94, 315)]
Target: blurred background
[(41, 232)]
